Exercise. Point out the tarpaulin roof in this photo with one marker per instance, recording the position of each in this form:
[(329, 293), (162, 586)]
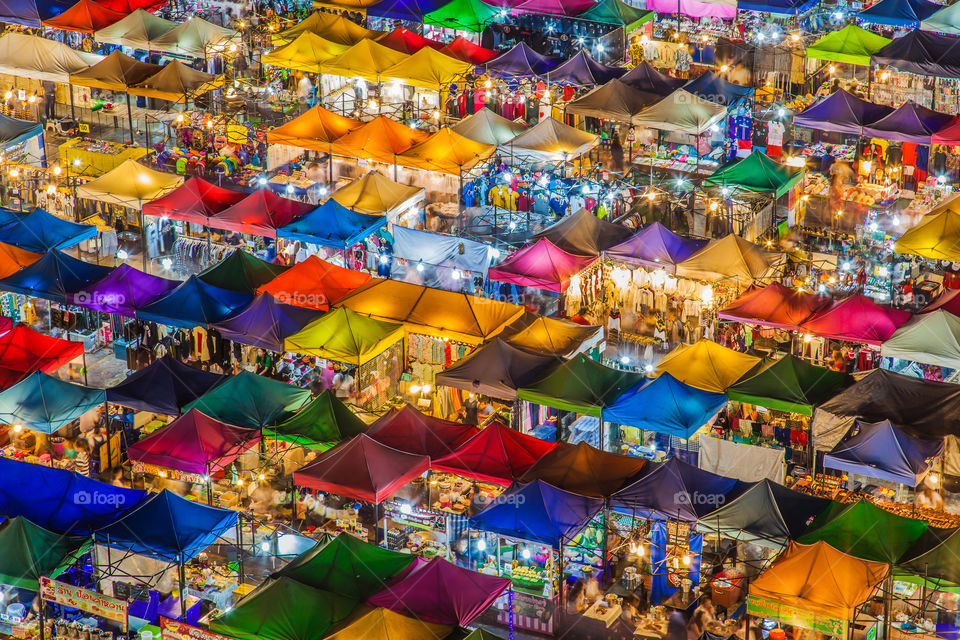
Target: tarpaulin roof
[(790, 384), (265, 323), (857, 318), (314, 284), (585, 470), (407, 10), (614, 100), (853, 44), (27, 12), (12, 259), (446, 151), (315, 129), (541, 264), (935, 555), (683, 112), (728, 257), (176, 82), (441, 592), (86, 16), (249, 400), (462, 15), (329, 26), (324, 420), (707, 365), (137, 31), (383, 624), (617, 12), (841, 112), (948, 135), (497, 369), (774, 306), (433, 311), (405, 41), (39, 231), (54, 277), (380, 139), (497, 454), (43, 403), (537, 511), (195, 38), (881, 450), (948, 300), (363, 469), (712, 87), (438, 250), (38, 58), (261, 213), (930, 338), (367, 59), (644, 77), (376, 193), (899, 13), (923, 53), (554, 336), (306, 53), (116, 72), (757, 173), (30, 551), (123, 291), (944, 20), (23, 351), (462, 49), (193, 201), (554, 7), (583, 234), (580, 385), (521, 61), (696, 8), (819, 579), (846, 527), (552, 140), (14, 131), (193, 303), (411, 431), (655, 246), (241, 272), (936, 236), (345, 336), (163, 386), (194, 443), (665, 405), (129, 185), (909, 122), (779, 7)]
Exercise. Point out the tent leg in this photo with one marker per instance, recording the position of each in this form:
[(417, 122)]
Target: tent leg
[(183, 584), (240, 574), (106, 428), (130, 118), (85, 367)]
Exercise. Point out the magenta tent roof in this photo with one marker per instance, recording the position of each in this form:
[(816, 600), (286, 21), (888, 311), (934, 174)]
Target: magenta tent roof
[(123, 291), (497, 454), (441, 592), (656, 246), (412, 431), (541, 264), (555, 7), (857, 319)]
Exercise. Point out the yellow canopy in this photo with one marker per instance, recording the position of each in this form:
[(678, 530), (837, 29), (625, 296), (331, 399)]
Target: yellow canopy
[(728, 257), (330, 27), (446, 152), (376, 193), (432, 312), (367, 59), (129, 185), (306, 53), (707, 365), (383, 624), (315, 129), (344, 336), (553, 336), (429, 69), (381, 139), (176, 82), (937, 236)]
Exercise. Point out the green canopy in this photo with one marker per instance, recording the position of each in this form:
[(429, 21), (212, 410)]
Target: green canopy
[(346, 566), (790, 384), (28, 551), (580, 385), (865, 531), (466, 15), (851, 44), (345, 336), (241, 272), (757, 173), (321, 424), (936, 554), (249, 400), (617, 12)]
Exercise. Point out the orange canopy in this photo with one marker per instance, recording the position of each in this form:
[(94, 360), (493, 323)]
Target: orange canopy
[(381, 139), (12, 259), (315, 129), (446, 152), (86, 16), (176, 82), (329, 26), (314, 284)]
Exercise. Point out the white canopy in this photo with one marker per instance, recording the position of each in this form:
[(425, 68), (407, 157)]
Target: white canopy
[(552, 140), (930, 338), (195, 38), (683, 112), (41, 59), (138, 30)]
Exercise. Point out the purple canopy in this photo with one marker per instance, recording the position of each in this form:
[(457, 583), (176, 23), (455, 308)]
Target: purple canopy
[(441, 592), (521, 60), (910, 122), (881, 450), (122, 291), (645, 78), (655, 246), (582, 70), (265, 323), (841, 112)]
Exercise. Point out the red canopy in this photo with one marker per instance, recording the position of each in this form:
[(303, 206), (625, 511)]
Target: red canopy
[(948, 300), (362, 468), (314, 284), (261, 213), (774, 306), (414, 432), (193, 201), (129, 6), (406, 41), (23, 351), (541, 264), (497, 454), (463, 49), (86, 16), (857, 319)]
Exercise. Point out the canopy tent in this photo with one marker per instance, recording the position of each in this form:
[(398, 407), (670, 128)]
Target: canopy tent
[(580, 385), (167, 527), (944, 20), (551, 141), (247, 399), (841, 112), (948, 300), (617, 12), (462, 49), (315, 129), (345, 336), (405, 41), (707, 365), (923, 53), (383, 624), (899, 13), (314, 284), (934, 555), (909, 122), (193, 201), (381, 139), (585, 470), (376, 193), (241, 272), (790, 384), (714, 88), (726, 9), (265, 323), (857, 318), (553, 7), (936, 236), (497, 454), (537, 511), (28, 12), (581, 70), (406, 10), (434, 312), (497, 369), (520, 61), (363, 469), (614, 100), (14, 131), (195, 38), (767, 512), (261, 213), (665, 405), (550, 336), (165, 386), (583, 234), (13, 259), (441, 592), (129, 185), (137, 30), (681, 112), (39, 232), (123, 291), (325, 420), (176, 82), (411, 431), (757, 173), (367, 59), (881, 450), (446, 152), (655, 246), (462, 15), (43, 403), (774, 306), (930, 338), (194, 443), (429, 69), (86, 16), (330, 27), (778, 7), (306, 53), (54, 277), (35, 57), (729, 257), (193, 303), (853, 44), (842, 526), (644, 77), (541, 264), (31, 551), (23, 351), (443, 253)]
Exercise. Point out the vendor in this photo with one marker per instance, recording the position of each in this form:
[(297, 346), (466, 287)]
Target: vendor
[(703, 616), (928, 498)]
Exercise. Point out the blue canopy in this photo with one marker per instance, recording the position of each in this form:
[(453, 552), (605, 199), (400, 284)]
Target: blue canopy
[(409, 10), (14, 131), (167, 527), (39, 231), (29, 13), (430, 259), (665, 405), (780, 7), (54, 277), (537, 511), (164, 386), (332, 225), (60, 500), (193, 303), (44, 403), (266, 323), (882, 450), (712, 87), (899, 13), (657, 247), (520, 61), (582, 70)]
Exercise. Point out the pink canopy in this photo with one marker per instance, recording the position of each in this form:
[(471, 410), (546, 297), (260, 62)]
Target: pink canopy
[(412, 431), (857, 319), (694, 8), (541, 264)]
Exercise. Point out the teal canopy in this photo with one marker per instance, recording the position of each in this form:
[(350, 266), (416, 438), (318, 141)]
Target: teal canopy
[(43, 403), (249, 400)]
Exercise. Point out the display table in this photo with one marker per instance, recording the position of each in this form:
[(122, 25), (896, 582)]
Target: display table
[(96, 157), (603, 612)]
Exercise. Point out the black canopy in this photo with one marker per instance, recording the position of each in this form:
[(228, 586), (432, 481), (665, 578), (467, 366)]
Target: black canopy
[(644, 77), (584, 234), (165, 386), (923, 53), (498, 369)]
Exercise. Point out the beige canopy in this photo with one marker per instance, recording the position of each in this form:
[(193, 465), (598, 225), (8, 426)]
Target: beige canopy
[(195, 38), (138, 30), (683, 112), (129, 185), (552, 140), (729, 257), (41, 59), (176, 82), (488, 127)]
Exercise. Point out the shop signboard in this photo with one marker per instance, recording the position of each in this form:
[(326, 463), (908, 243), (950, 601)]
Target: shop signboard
[(84, 599), (416, 517), (176, 630), (796, 616), (163, 472)]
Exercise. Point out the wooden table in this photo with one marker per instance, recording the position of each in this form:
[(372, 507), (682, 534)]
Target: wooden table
[(647, 630), (608, 616)]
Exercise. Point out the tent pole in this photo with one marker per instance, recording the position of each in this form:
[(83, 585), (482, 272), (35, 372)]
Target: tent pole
[(209, 486), (130, 118), (240, 575), (73, 115), (106, 427), (183, 581), (84, 367)]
